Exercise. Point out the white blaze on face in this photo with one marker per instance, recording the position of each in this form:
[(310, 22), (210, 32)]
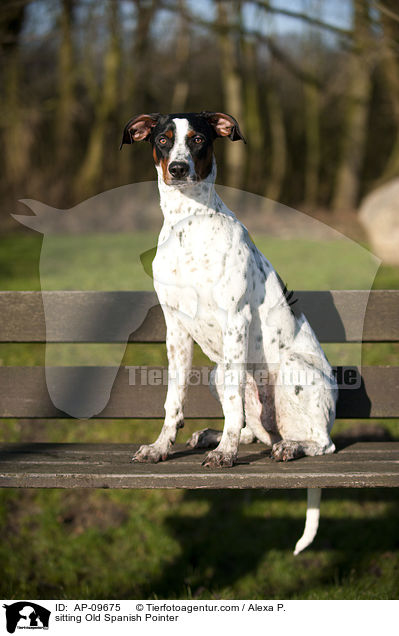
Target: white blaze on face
[(180, 150)]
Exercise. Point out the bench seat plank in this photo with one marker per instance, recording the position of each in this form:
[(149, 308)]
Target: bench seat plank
[(108, 466), (24, 394)]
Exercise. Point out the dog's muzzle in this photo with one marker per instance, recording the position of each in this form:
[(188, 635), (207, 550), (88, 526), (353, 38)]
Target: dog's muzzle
[(179, 169)]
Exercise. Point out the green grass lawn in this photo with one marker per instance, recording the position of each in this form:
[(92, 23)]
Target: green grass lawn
[(186, 544), (123, 262)]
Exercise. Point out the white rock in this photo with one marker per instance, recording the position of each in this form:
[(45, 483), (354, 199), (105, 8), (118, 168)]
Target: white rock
[(379, 215)]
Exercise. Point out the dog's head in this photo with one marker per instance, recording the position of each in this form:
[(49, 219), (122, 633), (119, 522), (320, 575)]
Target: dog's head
[(182, 144)]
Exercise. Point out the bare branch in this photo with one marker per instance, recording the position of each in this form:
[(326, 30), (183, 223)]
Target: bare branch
[(285, 59), (388, 12), (302, 16), (261, 38)]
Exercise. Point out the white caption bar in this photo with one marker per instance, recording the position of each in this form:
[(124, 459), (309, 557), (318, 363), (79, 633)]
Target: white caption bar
[(310, 618)]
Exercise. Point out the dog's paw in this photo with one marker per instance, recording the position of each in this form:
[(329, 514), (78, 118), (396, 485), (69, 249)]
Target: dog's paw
[(206, 438), (218, 459), (149, 454), (286, 450)]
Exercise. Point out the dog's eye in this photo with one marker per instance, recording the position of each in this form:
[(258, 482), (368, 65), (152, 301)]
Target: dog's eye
[(198, 139), (162, 140)]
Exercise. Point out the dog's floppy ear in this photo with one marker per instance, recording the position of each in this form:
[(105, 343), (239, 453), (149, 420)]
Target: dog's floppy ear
[(224, 125), (139, 128)]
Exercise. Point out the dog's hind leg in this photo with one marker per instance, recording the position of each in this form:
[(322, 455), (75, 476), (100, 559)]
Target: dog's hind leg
[(255, 412), (205, 438), (305, 406), (286, 449), (259, 411), (210, 437)]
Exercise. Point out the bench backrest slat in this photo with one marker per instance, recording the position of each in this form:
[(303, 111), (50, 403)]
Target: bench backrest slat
[(75, 316), (24, 394)]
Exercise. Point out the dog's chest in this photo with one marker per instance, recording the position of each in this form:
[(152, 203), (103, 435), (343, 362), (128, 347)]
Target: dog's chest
[(190, 262), (192, 255)]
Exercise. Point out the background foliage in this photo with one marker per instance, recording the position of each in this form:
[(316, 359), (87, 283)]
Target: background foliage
[(314, 85)]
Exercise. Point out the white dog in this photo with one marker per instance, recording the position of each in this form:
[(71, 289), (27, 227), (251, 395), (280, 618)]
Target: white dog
[(217, 289)]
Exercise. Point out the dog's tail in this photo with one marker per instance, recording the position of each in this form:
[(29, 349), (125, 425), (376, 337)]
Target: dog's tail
[(312, 520)]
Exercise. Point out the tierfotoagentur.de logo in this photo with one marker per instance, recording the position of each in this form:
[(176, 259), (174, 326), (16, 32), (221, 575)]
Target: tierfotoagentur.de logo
[(26, 615)]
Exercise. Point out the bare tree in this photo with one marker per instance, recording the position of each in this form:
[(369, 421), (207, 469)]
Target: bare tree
[(16, 133), (278, 150), (232, 86), (180, 91), (389, 16), (105, 108), (140, 68), (66, 107), (357, 100), (312, 49), (254, 119), (312, 153)]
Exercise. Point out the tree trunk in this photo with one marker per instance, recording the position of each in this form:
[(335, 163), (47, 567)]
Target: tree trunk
[(354, 130), (180, 91), (233, 92), (254, 126), (137, 93), (390, 67), (312, 131), (145, 12), (93, 163), (17, 135), (66, 87), (278, 153)]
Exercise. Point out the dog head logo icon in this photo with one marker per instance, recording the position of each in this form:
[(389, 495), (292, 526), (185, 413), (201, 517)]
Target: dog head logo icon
[(26, 615)]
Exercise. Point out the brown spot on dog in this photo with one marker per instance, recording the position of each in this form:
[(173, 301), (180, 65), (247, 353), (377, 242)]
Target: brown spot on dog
[(164, 164)]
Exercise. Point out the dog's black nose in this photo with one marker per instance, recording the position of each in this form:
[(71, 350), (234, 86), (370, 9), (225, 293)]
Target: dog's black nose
[(179, 169)]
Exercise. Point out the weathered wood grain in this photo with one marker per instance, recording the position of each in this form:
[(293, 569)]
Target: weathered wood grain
[(337, 316), (24, 393), (75, 316), (110, 466)]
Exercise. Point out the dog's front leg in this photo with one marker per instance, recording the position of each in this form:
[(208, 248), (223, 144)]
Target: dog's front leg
[(179, 346), (235, 347)]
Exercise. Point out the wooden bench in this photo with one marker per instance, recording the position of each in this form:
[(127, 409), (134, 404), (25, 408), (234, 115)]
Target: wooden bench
[(337, 316)]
